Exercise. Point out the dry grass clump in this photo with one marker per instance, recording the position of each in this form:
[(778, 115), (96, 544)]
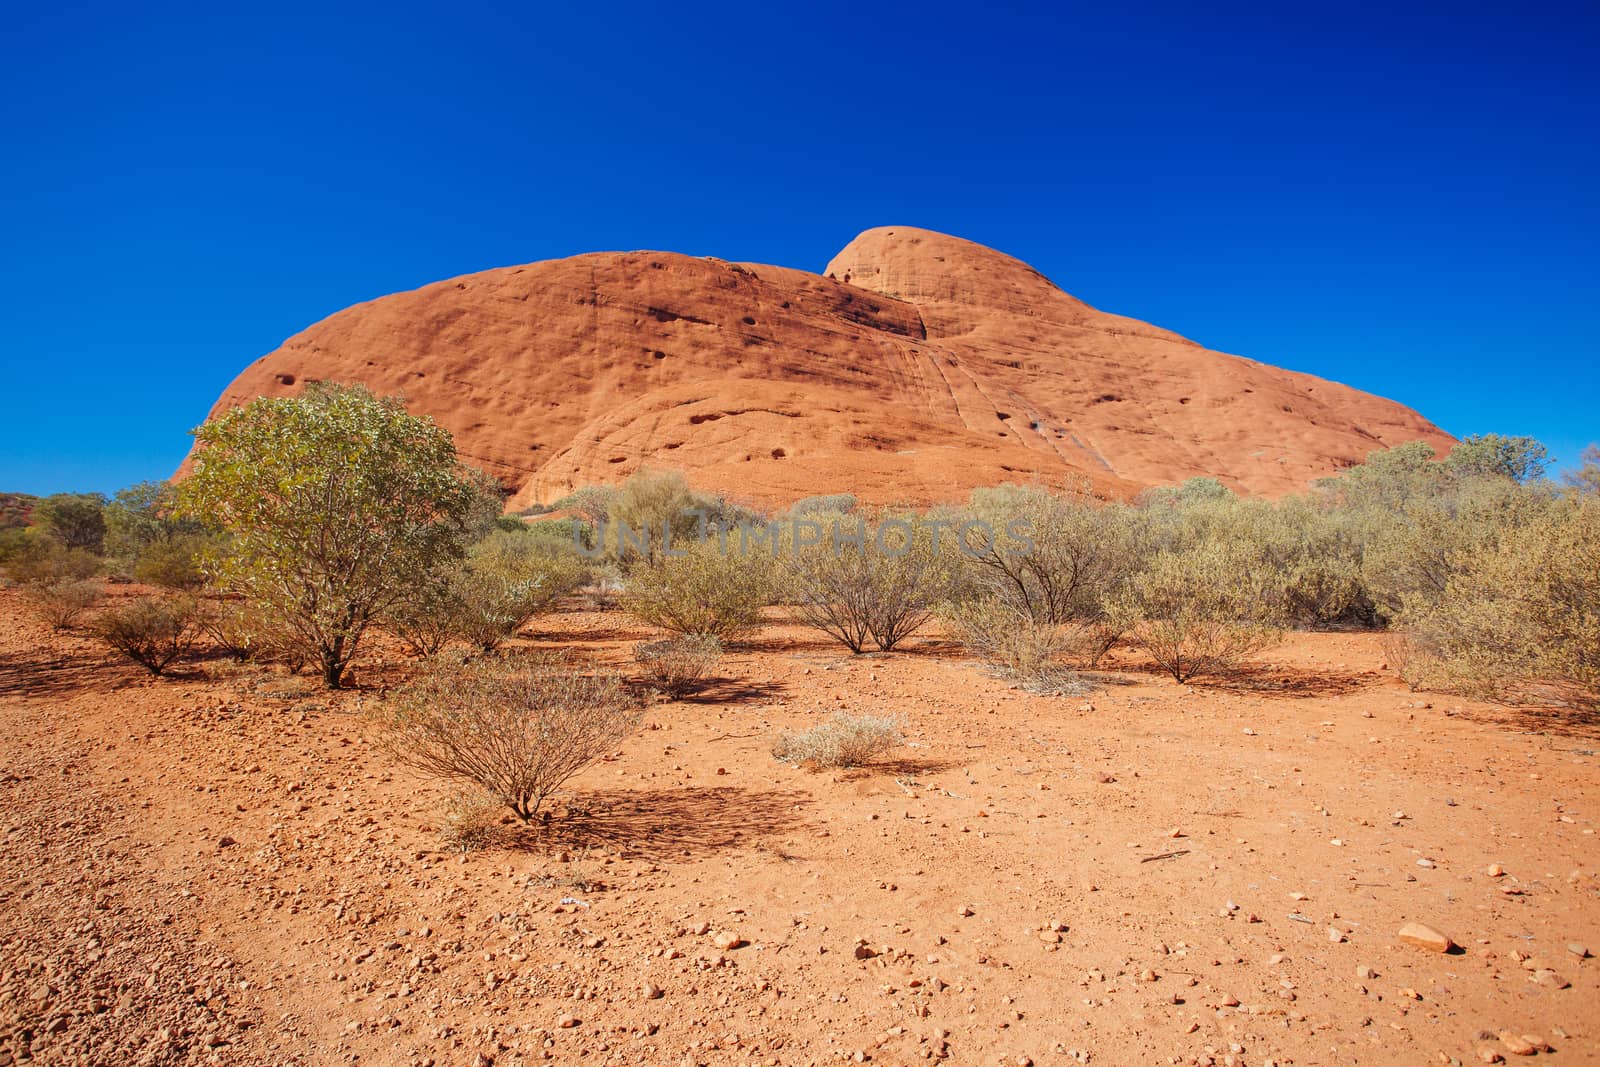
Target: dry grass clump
[(62, 601), (469, 821), (843, 741), (674, 666), (518, 727), (152, 632)]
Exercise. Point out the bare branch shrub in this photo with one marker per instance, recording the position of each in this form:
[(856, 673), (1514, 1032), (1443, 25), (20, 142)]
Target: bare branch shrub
[(519, 727), (868, 582), (844, 741), (62, 601), (152, 632), (673, 666)]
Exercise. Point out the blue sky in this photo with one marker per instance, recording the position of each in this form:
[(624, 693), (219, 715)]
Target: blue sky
[(1404, 202)]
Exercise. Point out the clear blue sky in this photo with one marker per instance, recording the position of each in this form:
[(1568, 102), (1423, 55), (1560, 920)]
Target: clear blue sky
[(1407, 203)]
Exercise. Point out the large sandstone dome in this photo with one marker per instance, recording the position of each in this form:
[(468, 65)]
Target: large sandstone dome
[(917, 367)]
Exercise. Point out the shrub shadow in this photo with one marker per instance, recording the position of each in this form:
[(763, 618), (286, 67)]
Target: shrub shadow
[(1557, 720), (656, 824), (907, 767), (33, 674), (1271, 680), (732, 690)]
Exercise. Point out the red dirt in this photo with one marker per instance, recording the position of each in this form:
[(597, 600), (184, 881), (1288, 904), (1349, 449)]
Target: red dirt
[(941, 366), (223, 857)]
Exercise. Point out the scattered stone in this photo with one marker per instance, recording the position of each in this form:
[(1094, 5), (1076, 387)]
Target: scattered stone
[(1580, 951), (1515, 1045), (1495, 871), (567, 1022), (727, 942), (653, 991), (1423, 936), (1366, 974)]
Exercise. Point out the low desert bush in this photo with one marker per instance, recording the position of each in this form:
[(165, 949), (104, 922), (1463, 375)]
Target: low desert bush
[(1197, 612), (1051, 556), (1408, 657), (426, 618), (843, 741), (859, 587), (1020, 649), (243, 632), (152, 632), (518, 727), (710, 590), (674, 666), (823, 504), (175, 563), (62, 601), (29, 558), (506, 580)]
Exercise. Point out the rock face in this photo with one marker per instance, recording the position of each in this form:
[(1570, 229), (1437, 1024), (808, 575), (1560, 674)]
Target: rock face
[(918, 367)]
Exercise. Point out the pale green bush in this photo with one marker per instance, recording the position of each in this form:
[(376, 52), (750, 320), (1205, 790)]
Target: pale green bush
[(710, 589)]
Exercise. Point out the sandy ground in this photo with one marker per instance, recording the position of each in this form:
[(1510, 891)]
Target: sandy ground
[(220, 868)]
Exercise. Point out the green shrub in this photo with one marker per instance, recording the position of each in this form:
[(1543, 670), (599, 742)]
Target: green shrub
[(823, 504), (1198, 612), (152, 632), (29, 558), (177, 562), (844, 741), (1520, 620), (73, 520), (709, 590), (506, 581), (674, 666), (518, 727), (1053, 557), (337, 502)]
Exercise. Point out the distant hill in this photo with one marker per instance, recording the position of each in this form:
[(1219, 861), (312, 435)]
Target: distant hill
[(916, 367)]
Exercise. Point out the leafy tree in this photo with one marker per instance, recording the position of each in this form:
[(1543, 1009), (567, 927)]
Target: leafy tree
[(73, 520), (1522, 459), (337, 501), (1389, 478)]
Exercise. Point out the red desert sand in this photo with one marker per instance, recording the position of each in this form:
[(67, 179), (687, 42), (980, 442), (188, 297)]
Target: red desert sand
[(220, 868)]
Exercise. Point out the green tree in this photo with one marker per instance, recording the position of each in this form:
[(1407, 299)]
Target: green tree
[(1522, 459), (337, 501), (73, 520)]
